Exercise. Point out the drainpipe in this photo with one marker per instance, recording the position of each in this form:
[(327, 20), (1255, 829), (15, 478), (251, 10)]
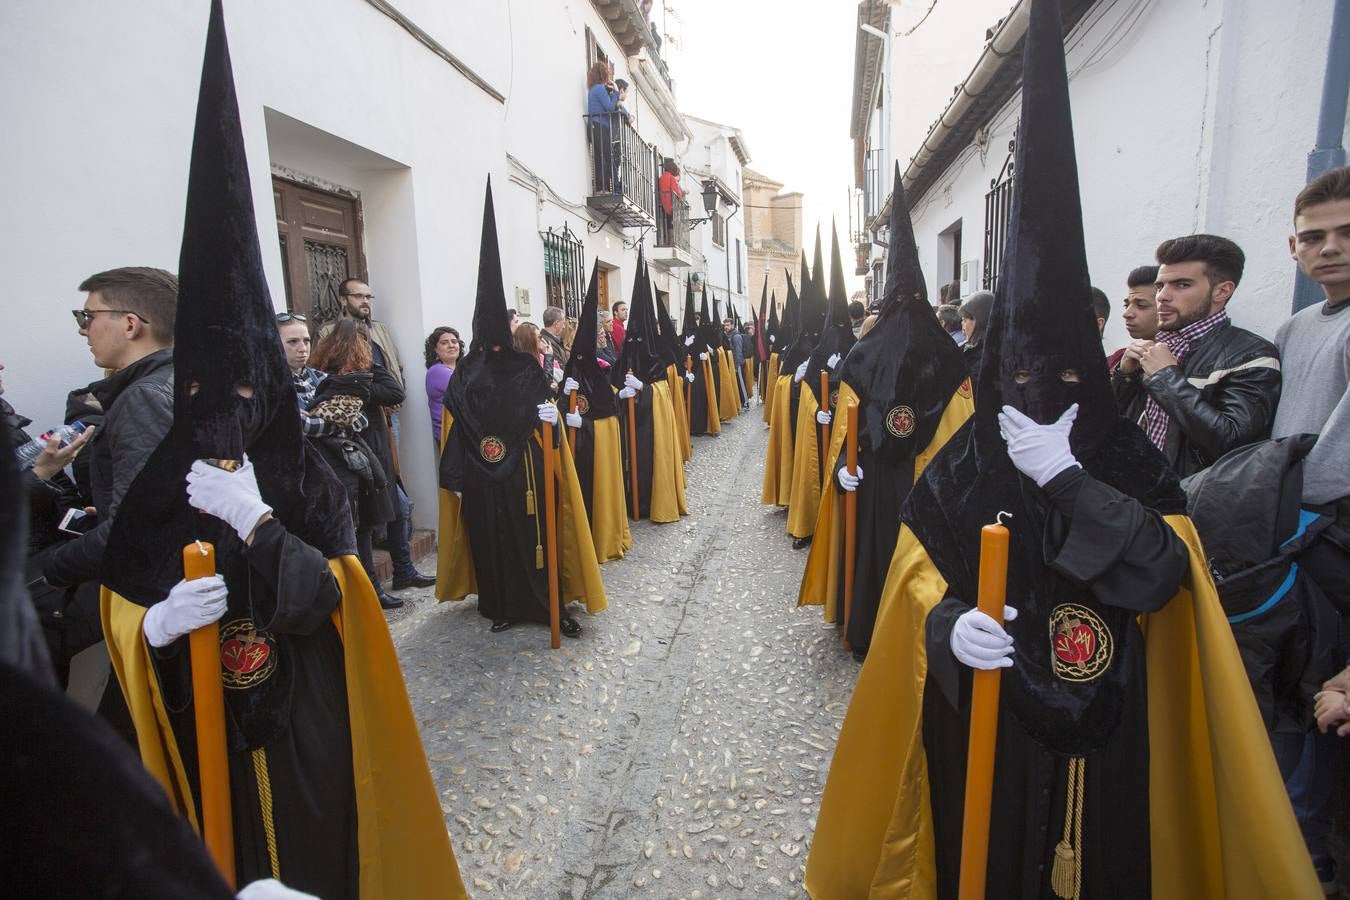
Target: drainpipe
[(1328, 153)]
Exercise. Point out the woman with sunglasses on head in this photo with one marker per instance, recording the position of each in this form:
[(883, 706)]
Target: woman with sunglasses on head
[(442, 355), (350, 398)]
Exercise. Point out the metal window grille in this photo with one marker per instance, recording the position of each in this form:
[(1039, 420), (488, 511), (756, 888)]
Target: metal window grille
[(564, 270), (997, 208)]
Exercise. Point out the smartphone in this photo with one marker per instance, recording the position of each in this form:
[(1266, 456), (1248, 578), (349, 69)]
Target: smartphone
[(77, 522)]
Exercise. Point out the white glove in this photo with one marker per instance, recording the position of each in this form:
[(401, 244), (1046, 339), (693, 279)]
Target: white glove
[(231, 497), (823, 417), (689, 341), (849, 482), (625, 392), (1039, 452), (703, 356), (271, 889), (801, 371), (574, 420), (980, 642), (189, 606), (771, 339), (832, 361), (459, 495), (630, 380), (548, 413), (689, 377), (570, 386)]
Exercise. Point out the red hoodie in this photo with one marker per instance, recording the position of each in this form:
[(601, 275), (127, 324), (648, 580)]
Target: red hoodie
[(617, 331)]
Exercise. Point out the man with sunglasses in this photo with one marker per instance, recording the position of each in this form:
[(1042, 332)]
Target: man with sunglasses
[(127, 321)]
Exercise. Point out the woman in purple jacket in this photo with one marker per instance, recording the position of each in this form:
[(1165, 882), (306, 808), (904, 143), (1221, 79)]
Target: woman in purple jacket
[(442, 351)]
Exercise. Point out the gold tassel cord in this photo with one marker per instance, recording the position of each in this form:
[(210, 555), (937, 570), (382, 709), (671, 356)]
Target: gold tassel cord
[(531, 509), (1066, 876), (265, 807)]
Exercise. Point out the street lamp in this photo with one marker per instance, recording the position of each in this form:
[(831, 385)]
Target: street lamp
[(710, 197)]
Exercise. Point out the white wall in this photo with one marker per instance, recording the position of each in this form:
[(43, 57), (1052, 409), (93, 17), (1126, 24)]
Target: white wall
[(1177, 129)]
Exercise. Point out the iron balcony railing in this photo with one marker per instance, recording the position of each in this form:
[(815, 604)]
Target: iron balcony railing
[(673, 230), (624, 171)]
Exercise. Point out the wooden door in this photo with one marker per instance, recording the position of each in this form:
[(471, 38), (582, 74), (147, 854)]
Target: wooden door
[(602, 287), (320, 234)]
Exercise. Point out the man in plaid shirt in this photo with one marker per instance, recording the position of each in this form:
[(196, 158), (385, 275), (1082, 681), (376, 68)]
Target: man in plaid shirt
[(1203, 386)]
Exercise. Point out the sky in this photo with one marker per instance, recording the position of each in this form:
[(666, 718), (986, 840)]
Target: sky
[(783, 74)]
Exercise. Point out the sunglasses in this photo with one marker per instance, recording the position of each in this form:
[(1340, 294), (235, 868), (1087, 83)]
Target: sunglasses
[(283, 318), (84, 316)]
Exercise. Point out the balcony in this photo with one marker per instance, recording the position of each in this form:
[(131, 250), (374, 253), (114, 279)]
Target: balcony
[(672, 236), (623, 172)]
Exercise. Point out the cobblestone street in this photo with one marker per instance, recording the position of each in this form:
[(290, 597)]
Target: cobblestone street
[(678, 748)]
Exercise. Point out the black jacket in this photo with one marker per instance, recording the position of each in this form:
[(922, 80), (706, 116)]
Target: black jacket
[(1222, 396), (139, 405)]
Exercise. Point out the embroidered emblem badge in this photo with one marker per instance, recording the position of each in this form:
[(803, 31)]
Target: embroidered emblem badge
[(964, 389), (583, 405), (900, 421), (492, 449), (247, 656), (1080, 643), (834, 398)]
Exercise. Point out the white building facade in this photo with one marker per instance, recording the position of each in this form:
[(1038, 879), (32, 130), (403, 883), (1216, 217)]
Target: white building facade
[(1188, 117), (371, 126)]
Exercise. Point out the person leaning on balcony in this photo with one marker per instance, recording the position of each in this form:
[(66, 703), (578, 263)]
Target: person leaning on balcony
[(602, 103), (668, 188)]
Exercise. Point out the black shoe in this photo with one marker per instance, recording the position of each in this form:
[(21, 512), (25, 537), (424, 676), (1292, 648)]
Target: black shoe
[(415, 580), (570, 627), (388, 602), (501, 625), (859, 655), (799, 543)]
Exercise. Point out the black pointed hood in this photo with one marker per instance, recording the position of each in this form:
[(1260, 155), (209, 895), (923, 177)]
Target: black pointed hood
[(707, 332), (809, 321), (595, 400), (496, 389), (641, 343), (771, 324), (761, 322), (787, 325), (225, 336), (836, 337), (689, 325), (906, 368), (1042, 323), (672, 351)]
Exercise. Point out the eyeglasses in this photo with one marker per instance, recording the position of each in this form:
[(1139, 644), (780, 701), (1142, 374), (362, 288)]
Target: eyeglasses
[(84, 316), (283, 318), (361, 296)]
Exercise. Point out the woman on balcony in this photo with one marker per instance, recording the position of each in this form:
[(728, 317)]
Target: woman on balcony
[(602, 109), (669, 190)]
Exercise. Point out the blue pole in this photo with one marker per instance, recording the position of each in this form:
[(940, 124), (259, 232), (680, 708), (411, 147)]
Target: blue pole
[(1328, 153)]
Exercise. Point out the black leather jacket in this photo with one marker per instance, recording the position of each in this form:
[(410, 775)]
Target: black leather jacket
[(1222, 396), (139, 404)]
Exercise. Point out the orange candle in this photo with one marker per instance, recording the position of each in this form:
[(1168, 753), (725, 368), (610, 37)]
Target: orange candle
[(572, 432), (983, 722), (850, 519), (551, 542), (208, 697)]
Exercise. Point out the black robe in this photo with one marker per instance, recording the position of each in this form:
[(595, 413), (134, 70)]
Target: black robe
[(1098, 541), (645, 435), (296, 714), (505, 528), (699, 417)]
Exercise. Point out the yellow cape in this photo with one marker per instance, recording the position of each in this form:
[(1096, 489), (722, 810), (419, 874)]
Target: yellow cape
[(777, 488), (667, 497), (1220, 820), (609, 520), (804, 498), (729, 406), (714, 424), (768, 375), (748, 373), (455, 575), (404, 848), (820, 581), (678, 386)]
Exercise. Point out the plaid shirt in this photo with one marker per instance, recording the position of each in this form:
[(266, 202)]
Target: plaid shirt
[(306, 383), (1155, 419)]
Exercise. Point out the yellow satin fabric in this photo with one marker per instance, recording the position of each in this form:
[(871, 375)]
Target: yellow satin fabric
[(714, 425), (609, 519), (667, 497), (804, 502), (678, 385), (777, 486), (1220, 820), (769, 378), (820, 580), (729, 406), (401, 838), (748, 374)]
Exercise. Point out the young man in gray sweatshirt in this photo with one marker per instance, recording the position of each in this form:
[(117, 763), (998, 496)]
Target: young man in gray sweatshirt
[(1315, 359)]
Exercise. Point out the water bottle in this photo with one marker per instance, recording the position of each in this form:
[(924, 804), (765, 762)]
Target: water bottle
[(28, 453)]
